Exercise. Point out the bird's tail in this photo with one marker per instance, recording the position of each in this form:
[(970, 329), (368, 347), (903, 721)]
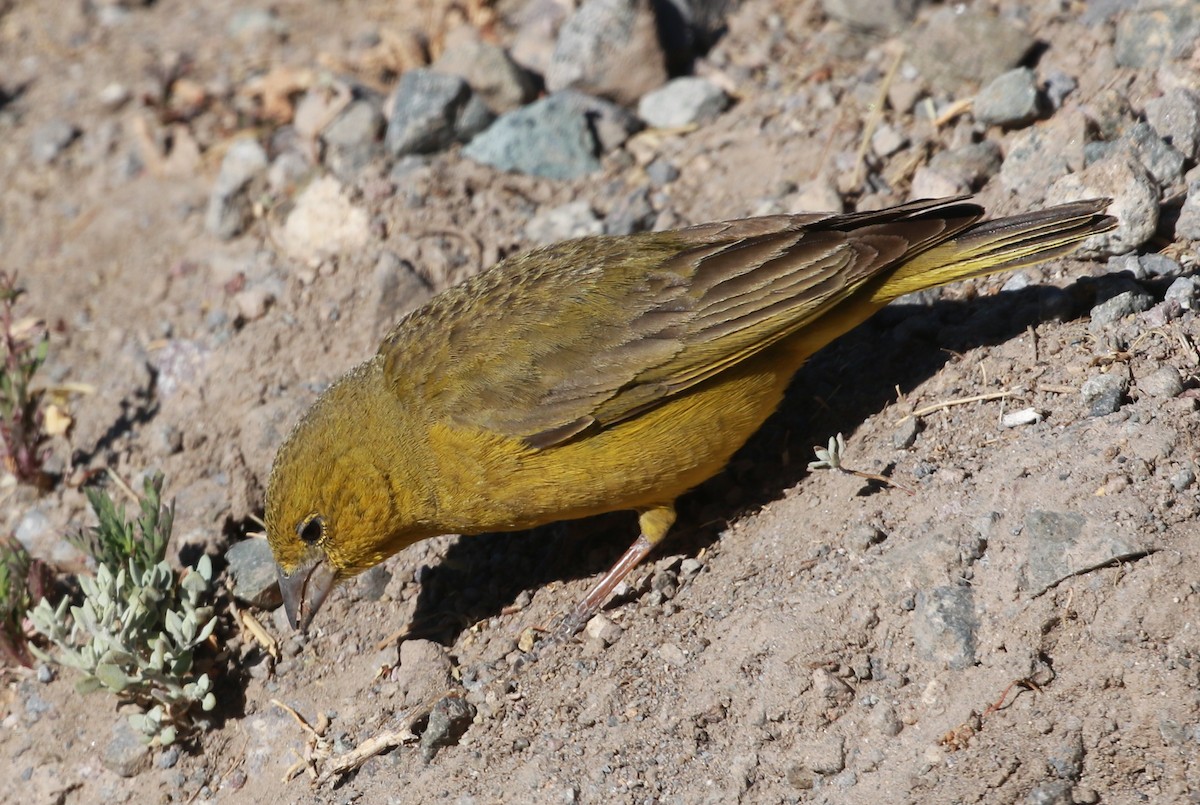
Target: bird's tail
[(1003, 244)]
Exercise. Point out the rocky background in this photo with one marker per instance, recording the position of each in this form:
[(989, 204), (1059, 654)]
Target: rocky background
[(219, 208)]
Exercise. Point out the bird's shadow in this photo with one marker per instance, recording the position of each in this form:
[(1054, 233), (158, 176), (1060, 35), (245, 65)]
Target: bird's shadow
[(852, 378)]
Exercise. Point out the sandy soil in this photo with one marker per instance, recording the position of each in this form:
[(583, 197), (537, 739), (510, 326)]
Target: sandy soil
[(1023, 627)]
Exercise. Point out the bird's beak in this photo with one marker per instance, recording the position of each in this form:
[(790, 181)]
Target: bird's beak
[(305, 589)]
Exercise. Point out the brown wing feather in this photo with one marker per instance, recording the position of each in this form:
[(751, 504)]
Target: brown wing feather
[(589, 332)]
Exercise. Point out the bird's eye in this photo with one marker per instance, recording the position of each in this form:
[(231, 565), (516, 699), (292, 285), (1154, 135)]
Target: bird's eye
[(311, 529)]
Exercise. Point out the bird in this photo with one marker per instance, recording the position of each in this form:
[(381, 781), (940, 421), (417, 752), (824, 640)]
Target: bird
[(602, 374)]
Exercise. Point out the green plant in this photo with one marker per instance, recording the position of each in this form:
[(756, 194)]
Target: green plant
[(23, 580), (26, 344), (139, 626)]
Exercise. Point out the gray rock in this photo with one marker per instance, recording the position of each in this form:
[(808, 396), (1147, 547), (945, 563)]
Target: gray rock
[(398, 289), (887, 140), (558, 137), (572, 220), (498, 80), (358, 126), (973, 45), (890, 16), (1156, 32), (50, 139), (1185, 291), (252, 568), (126, 754), (1067, 759), (1055, 792), (449, 719), (1111, 113), (661, 172), (228, 204), (681, 102), (1118, 307), (1155, 265), (609, 48), (944, 625), (427, 112), (1163, 382), (1163, 162), (905, 435), (1034, 160), (256, 23), (1176, 117), (1103, 394), (1183, 479), (1135, 202), (633, 213), (167, 758), (969, 166), (1009, 99), (1058, 85), (287, 172), (1188, 223)]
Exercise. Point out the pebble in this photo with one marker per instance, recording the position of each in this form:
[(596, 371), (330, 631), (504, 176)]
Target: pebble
[(1118, 307), (1058, 85), (1026, 416), (609, 48), (960, 44), (1034, 159), (1163, 382), (114, 96), (228, 205), (944, 625), (352, 139), (889, 16), (685, 101), (1163, 162), (249, 24), (1183, 479), (125, 754), (690, 568), (1103, 394), (1010, 99), (1175, 116), (1135, 202), (431, 111), (883, 719), (167, 758), (1152, 33), (969, 166), (1055, 792), (633, 213), (572, 220), (252, 569), (905, 435), (1067, 759), (537, 24), (887, 140), (1188, 223), (448, 720), (557, 137), (498, 80), (604, 630), (252, 303), (50, 139), (1184, 291), (324, 222)]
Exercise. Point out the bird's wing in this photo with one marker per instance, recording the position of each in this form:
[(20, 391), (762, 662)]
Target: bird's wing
[(586, 333)]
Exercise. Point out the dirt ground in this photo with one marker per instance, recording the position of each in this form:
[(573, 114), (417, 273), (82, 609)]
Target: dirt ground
[(1019, 621)]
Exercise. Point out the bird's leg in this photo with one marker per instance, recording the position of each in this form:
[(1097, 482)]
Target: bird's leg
[(654, 523)]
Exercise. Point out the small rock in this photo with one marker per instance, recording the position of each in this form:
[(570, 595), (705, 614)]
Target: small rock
[(863, 536), (1058, 86), (1183, 479), (557, 137), (1163, 382), (824, 756), (661, 172), (1027, 416), (884, 720), (1103, 394), (498, 80), (1110, 112), (287, 172), (252, 303), (967, 44), (969, 166), (890, 16), (1035, 158), (397, 289), (1010, 99), (672, 655), (609, 48), (1118, 307), (248, 24), (572, 220), (887, 140), (51, 139), (602, 629), (1188, 223), (1067, 759), (228, 205), (1155, 265), (690, 568), (906, 434), (114, 96), (685, 101), (1184, 291), (945, 624), (449, 719), (167, 758), (537, 24), (1147, 36), (1135, 202), (352, 139), (1163, 162), (126, 754), (1175, 116), (252, 569), (633, 213), (426, 108), (324, 222)]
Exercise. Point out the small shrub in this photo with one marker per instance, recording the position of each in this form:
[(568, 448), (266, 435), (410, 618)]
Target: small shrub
[(23, 580), (26, 344), (139, 626)]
